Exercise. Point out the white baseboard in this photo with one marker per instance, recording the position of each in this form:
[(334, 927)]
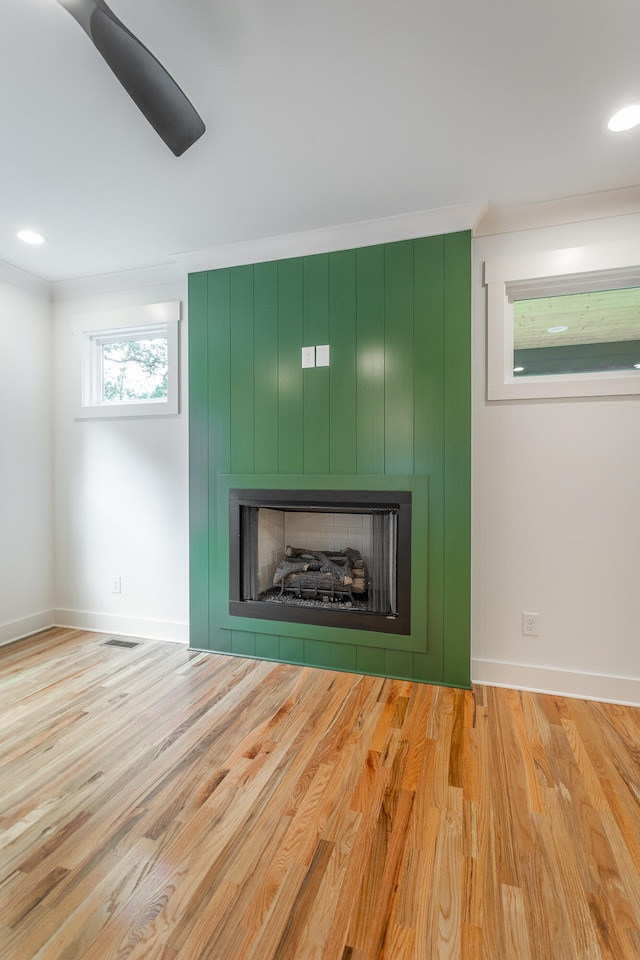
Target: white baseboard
[(493, 673), (17, 629), (126, 626), (565, 683)]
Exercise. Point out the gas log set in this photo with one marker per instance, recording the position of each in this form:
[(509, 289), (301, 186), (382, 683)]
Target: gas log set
[(336, 574), (353, 573)]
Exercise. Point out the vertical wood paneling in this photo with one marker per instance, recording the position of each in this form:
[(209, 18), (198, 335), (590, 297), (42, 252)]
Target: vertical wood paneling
[(429, 430), (343, 369), (398, 351), (398, 663), (343, 656), (267, 646), (370, 660), (219, 361), (265, 332), (370, 408), (457, 455), (394, 400), (317, 653), (198, 463), (242, 371), (290, 387), (292, 649), (243, 643), (316, 379)]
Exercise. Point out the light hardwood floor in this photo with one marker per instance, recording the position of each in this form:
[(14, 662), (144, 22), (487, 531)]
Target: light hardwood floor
[(162, 804)]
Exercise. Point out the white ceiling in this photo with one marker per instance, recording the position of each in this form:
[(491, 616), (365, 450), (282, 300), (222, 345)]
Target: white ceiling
[(318, 113)]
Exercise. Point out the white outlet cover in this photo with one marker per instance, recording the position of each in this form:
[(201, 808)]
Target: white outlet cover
[(308, 357)]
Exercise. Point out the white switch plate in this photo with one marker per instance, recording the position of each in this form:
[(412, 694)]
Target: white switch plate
[(322, 355), (308, 357)]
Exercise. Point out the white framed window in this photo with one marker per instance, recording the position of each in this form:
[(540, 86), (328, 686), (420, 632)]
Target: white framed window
[(129, 362), (564, 323)]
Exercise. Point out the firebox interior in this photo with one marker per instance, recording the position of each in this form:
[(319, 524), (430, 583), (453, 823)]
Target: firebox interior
[(335, 558)]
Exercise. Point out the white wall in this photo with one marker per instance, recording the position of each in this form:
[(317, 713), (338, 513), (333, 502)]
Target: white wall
[(26, 580), (556, 501), (121, 496), (556, 517)]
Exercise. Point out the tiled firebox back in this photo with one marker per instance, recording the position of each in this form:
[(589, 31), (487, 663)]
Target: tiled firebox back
[(278, 529)]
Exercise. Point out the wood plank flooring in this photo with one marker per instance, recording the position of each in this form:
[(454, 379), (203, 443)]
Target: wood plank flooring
[(160, 804)]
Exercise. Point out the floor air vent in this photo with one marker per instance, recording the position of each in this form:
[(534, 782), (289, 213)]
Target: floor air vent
[(116, 642)]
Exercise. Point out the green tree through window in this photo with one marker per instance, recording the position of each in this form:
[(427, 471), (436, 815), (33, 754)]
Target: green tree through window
[(135, 370)]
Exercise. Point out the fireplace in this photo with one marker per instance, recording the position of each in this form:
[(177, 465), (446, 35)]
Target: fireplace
[(336, 558)]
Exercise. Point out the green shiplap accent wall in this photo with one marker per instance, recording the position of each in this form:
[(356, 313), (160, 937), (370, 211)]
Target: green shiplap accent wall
[(395, 401)]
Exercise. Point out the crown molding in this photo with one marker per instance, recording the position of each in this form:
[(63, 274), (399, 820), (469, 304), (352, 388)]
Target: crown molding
[(347, 236), (122, 280), (26, 281), (550, 213)]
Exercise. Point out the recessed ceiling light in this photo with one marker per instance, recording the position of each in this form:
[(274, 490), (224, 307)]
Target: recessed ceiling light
[(30, 236), (557, 329), (520, 369), (625, 119)]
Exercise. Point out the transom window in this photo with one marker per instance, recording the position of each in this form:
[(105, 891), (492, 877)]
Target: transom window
[(564, 323), (131, 370)]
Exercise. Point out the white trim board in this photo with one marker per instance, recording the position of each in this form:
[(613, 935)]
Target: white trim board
[(106, 283), (566, 210), (125, 626), (345, 236), (17, 629), (562, 683)]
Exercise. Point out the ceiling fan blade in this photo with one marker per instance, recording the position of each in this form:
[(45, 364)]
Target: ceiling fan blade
[(153, 90)]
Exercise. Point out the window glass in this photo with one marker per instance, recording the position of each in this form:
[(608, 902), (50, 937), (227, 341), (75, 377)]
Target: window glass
[(135, 369), (587, 332)]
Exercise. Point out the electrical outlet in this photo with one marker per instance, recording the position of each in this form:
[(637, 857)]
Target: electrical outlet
[(116, 584), (530, 624), (308, 357)]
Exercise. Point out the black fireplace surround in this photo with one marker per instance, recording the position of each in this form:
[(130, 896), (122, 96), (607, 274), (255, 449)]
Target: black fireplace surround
[(386, 607)]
